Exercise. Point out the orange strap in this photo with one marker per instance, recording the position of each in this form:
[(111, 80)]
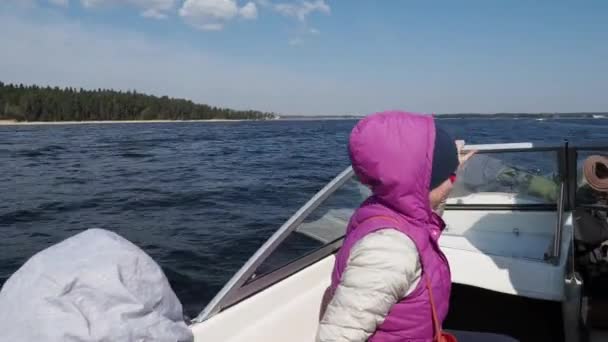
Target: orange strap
[(436, 323)]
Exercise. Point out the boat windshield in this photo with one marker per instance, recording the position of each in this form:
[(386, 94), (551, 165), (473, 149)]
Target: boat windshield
[(528, 178), (324, 225), (501, 179), (495, 179)]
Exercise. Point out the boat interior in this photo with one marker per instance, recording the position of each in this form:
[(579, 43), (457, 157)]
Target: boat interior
[(518, 255)]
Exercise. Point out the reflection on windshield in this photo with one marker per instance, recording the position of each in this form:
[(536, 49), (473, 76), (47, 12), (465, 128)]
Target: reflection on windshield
[(328, 222), (325, 224), (534, 177)]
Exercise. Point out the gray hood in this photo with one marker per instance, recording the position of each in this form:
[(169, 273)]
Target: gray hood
[(94, 286)]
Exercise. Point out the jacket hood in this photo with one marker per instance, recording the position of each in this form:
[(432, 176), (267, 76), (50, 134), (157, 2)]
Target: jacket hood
[(392, 152), (94, 286)]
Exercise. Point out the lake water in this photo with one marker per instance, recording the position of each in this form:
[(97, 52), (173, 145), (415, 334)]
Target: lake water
[(200, 198)]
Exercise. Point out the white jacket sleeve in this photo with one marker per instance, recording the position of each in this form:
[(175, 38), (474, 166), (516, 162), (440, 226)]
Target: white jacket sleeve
[(382, 268)]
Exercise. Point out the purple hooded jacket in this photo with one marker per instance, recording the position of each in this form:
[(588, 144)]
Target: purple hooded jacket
[(392, 152)]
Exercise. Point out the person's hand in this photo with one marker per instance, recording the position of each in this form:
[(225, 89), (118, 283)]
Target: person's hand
[(462, 157)]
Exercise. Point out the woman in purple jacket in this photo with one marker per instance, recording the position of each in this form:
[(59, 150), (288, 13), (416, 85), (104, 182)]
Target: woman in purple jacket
[(391, 282)]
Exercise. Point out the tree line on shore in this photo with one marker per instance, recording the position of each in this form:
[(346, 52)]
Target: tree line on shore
[(34, 103)]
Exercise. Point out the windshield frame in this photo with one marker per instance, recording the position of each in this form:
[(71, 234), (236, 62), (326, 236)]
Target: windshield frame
[(227, 295)]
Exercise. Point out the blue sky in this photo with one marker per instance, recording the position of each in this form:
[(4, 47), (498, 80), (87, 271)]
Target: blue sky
[(315, 57)]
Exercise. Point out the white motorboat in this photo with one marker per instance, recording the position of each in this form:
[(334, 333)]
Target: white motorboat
[(513, 256)]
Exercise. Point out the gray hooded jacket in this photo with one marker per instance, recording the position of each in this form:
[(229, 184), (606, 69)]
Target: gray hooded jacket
[(94, 286)]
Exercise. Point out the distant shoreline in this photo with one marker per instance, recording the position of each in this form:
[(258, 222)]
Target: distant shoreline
[(564, 115), (34, 123), (538, 116)]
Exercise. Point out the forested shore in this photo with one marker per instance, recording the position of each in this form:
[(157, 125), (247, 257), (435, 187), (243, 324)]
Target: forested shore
[(32, 103)]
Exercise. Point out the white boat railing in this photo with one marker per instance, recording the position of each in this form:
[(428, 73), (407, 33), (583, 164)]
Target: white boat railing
[(511, 147)]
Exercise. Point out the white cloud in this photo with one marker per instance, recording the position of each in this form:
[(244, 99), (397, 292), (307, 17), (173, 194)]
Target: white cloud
[(61, 3), (211, 15), (249, 11), (299, 10), (154, 14), (295, 41), (157, 9), (302, 9)]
